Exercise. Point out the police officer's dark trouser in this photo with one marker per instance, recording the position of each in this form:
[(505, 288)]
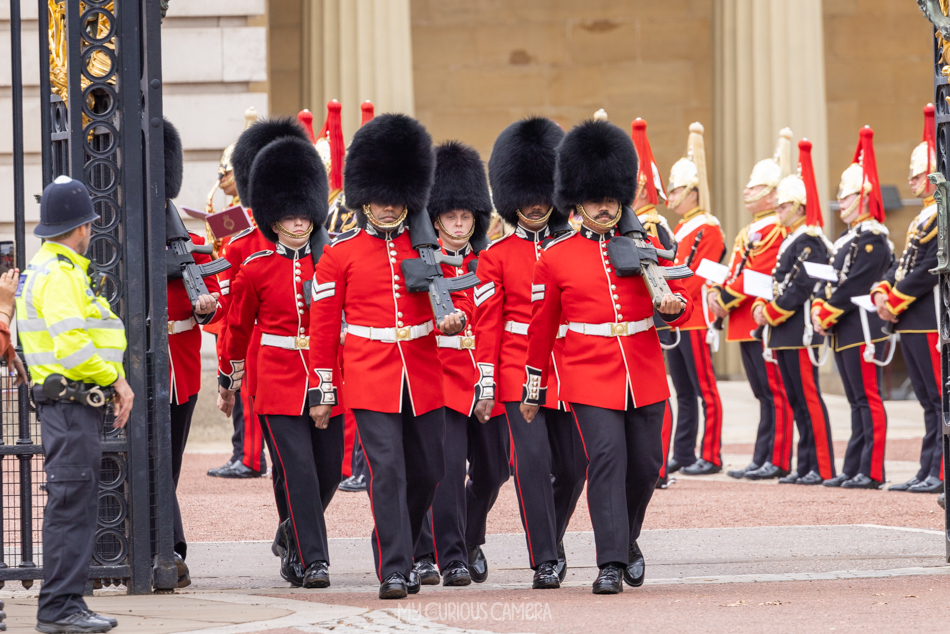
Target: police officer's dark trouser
[(237, 419), (71, 443), (862, 386), (923, 368), (625, 451), (181, 424), (312, 464), (405, 462)]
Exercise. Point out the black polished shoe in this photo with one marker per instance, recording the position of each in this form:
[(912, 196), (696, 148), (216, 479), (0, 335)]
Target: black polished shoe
[(184, 576), (477, 564), (108, 619), (291, 568), (942, 500), (673, 466), (561, 567), (216, 472), (238, 471), (665, 482), (739, 473), (545, 577), (353, 484), (77, 622), (608, 580), (414, 584), (278, 547), (317, 575), (701, 467), (861, 481), (766, 472), (903, 486), (636, 570), (394, 587), (425, 569), (456, 574), (791, 478), (836, 481), (812, 478), (932, 484)]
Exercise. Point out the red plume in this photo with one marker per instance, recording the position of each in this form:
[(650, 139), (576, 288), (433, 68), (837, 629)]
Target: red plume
[(813, 214), (368, 113), (305, 119), (930, 136), (333, 132), (864, 155), (647, 163)]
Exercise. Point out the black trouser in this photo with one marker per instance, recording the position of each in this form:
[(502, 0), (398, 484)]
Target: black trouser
[(923, 368), (543, 448), (312, 463), (488, 469), (800, 378), (357, 459), (405, 463), (277, 477), (71, 444), (691, 370), (181, 424), (862, 386), (625, 451), (772, 403), (237, 419)]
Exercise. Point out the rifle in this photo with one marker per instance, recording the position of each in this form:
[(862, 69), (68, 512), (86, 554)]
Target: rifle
[(180, 263), (424, 274), (632, 253)]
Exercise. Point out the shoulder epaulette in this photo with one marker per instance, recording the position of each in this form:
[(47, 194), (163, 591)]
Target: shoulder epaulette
[(259, 254), (559, 239), (499, 240), (243, 234), (346, 235)]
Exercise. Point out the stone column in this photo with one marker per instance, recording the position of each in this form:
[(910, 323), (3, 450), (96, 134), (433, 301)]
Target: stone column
[(769, 72), (356, 50)]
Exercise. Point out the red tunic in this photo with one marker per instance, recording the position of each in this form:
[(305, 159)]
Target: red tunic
[(758, 243), (360, 274), (574, 282), (505, 270), (458, 364), (711, 246), (184, 348)]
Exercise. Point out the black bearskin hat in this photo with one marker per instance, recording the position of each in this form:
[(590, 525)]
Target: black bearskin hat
[(460, 183), (596, 160), (288, 179), (389, 161), (174, 161), (521, 168), (253, 141)]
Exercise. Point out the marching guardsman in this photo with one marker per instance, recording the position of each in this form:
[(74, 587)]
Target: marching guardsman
[(184, 346), (521, 173), (756, 249), (786, 320), (862, 256), (649, 191), (460, 207), (612, 372), (288, 187), (698, 237), (394, 380), (907, 297)]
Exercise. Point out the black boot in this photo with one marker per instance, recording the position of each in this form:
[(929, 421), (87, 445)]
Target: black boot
[(317, 575), (545, 577), (477, 564), (608, 580), (425, 568), (393, 587), (456, 574), (739, 473)]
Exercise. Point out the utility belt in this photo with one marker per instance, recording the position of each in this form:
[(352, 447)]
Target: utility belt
[(519, 328), (58, 389)]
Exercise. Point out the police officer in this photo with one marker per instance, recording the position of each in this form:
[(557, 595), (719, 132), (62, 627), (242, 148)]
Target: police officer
[(74, 345)]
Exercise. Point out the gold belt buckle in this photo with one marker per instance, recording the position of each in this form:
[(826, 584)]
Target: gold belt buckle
[(171, 327), (468, 343), (619, 329), (402, 334), (302, 343)]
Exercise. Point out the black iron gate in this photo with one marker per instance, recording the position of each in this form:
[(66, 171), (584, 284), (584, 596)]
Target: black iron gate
[(101, 106)]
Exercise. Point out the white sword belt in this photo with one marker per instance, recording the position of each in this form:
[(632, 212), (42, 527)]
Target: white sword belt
[(178, 327), (390, 335), (518, 328), (287, 343), (616, 329)]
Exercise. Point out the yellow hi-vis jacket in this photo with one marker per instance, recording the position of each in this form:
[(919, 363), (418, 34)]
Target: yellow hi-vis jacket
[(64, 327)]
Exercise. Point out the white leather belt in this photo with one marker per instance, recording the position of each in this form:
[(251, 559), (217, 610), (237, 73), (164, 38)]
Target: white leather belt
[(390, 335), (618, 329), (178, 327), (519, 328), (457, 342), (287, 343)]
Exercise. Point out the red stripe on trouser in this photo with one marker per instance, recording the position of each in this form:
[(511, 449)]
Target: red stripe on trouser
[(252, 435), (784, 419), (872, 390), (666, 435), (290, 508), (712, 429), (580, 433), (933, 339), (819, 424), (524, 514), (372, 507)]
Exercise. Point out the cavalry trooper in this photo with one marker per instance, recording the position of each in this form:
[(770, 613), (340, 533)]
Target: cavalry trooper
[(908, 298), (460, 207), (288, 187), (698, 237), (73, 344), (649, 191), (786, 320), (394, 380), (756, 248), (521, 173), (613, 372), (862, 255)]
